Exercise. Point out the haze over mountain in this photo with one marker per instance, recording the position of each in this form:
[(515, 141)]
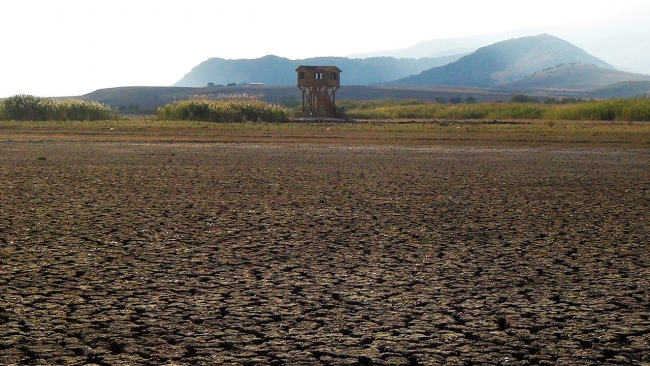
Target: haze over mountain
[(622, 41), (81, 50), (449, 46), (274, 70), (541, 63), (504, 62), (626, 51)]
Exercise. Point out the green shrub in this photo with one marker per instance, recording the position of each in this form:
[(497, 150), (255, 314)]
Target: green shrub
[(30, 108), (223, 111)]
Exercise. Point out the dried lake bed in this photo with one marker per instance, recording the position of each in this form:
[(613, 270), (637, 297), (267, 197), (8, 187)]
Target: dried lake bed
[(126, 252)]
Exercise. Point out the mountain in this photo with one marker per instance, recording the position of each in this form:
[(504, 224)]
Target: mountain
[(572, 77), (622, 40), (274, 70), (504, 62), (448, 46)]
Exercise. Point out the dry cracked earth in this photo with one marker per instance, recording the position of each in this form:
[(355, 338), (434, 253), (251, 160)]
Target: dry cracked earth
[(118, 253)]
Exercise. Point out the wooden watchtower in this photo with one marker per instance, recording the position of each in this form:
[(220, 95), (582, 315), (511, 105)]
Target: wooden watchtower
[(319, 85)]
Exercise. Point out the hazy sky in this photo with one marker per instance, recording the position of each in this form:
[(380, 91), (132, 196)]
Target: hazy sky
[(71, 47)]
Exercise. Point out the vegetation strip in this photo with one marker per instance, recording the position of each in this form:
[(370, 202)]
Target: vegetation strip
[(223, 111), (635, 109), (31, 108), (398, 132)]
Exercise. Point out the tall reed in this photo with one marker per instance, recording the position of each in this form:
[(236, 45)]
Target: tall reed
[(637, 109), (30, 108), (223, 111)]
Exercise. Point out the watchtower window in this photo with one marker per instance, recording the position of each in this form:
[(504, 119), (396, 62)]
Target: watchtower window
[(301, 75), (318, 75), (333, 76)]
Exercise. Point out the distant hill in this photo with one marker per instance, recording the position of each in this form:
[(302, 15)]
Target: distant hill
[(274, 70), (572, 77), (625, 89), (147, 98), (504, 62)]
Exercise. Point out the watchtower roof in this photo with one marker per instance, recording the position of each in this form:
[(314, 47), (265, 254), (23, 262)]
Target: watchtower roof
[(318, 68)]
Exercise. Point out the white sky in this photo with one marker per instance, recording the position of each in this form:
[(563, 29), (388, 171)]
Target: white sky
[(72, 47)]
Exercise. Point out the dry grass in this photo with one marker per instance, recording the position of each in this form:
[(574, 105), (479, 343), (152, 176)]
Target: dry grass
[(634, 109), (403, 132)]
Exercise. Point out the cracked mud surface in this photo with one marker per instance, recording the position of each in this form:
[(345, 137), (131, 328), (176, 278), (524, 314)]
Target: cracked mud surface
[(117, 253)]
